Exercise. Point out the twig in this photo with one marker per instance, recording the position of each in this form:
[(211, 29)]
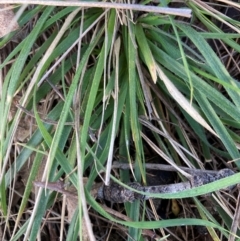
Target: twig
[(45, 120), (162, 167), (59, 186), (55, 186), (172, 11)]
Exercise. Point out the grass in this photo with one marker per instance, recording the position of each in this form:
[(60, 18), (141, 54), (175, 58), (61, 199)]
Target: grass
[(88, 86)]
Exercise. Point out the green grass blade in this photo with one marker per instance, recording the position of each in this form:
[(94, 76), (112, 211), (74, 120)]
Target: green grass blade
[(212, 60), (146, 52)]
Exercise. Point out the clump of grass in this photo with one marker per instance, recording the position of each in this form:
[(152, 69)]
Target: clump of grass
[(94, 85)]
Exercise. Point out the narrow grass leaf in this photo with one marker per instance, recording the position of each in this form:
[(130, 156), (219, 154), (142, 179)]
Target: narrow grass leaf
[(146, 52), (131, 56), (185, 63), (65, 112), (219, 127), (72, 234), (32, 176), (212, 60), (18, 66), (197, 191), (21, 231), (117, 46), (131, 51), (210, 92), (92, 96), (34, 141), (181, 100)]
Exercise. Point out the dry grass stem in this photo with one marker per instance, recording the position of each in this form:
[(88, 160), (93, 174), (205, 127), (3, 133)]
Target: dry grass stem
[(137, 7)]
